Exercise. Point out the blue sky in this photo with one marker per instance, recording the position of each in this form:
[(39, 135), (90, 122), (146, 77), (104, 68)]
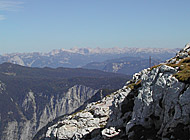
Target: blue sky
[(44, 25)]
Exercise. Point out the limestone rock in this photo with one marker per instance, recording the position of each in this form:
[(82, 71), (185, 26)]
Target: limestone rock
[(109, 133)]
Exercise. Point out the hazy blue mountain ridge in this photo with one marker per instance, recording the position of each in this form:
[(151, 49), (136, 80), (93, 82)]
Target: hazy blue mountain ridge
[(124, 65)]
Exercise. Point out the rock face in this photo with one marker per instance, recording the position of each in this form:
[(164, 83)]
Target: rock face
[(155, 104), (57, 106)]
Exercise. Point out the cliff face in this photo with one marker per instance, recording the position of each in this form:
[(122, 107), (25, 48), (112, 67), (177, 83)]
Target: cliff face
[(32, 119), (155, 104)]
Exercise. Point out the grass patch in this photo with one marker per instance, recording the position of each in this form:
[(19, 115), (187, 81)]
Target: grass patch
[(135, 85), (74, 114), (156, 66), (183, 74), (102, 126)]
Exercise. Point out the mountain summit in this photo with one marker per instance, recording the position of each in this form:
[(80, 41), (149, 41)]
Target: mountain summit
[(155, 104)]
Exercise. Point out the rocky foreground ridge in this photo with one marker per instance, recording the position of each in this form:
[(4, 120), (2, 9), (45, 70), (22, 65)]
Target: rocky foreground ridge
[(155, 104)]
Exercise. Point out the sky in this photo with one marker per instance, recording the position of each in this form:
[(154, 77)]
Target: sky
[(45, 25)]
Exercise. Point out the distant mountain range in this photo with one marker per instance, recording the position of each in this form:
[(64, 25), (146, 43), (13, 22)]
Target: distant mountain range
[(31, 97), (79, 57)]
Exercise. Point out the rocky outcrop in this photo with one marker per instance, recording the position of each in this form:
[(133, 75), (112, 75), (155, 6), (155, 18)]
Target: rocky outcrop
[(81, 123), (155, 104)]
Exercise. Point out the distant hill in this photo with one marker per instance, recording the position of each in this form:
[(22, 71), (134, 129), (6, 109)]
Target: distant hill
[(31, 97), (124, 65)]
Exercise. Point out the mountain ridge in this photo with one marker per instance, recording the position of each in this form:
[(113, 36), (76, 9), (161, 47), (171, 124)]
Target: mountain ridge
[(97, 50)]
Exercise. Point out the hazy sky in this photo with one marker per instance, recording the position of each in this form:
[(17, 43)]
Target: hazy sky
[(44, 25)]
